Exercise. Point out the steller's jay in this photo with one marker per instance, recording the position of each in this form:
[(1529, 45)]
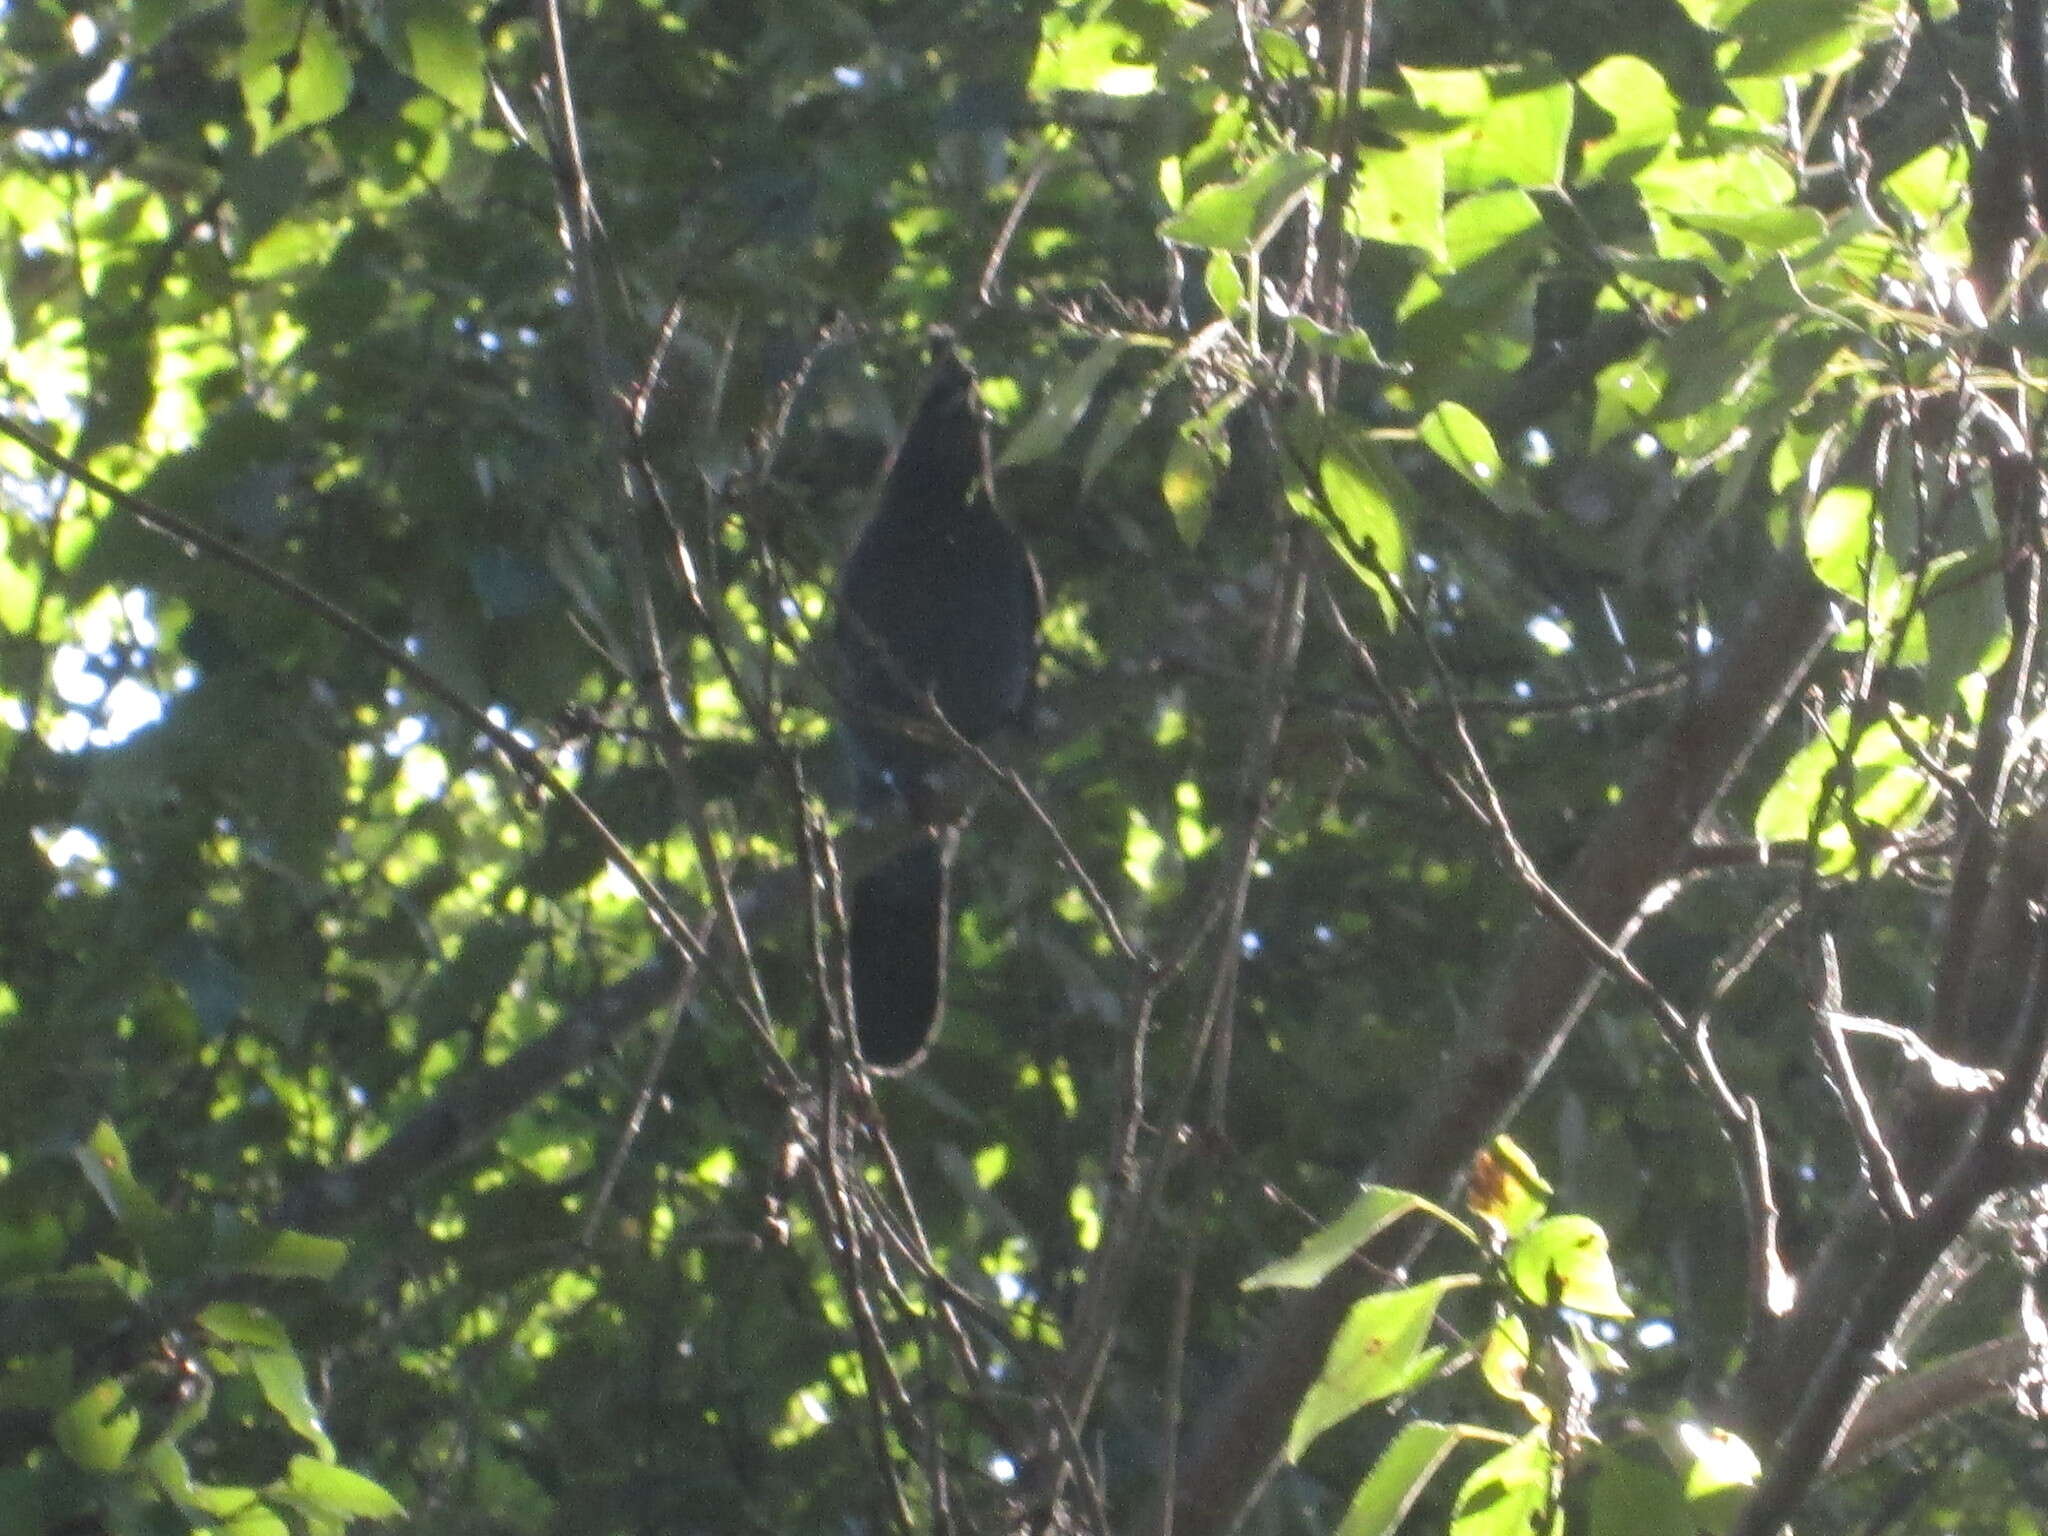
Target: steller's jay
[(938, 605)]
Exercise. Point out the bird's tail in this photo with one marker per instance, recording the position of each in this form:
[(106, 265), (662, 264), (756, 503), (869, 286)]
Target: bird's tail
[(898, 932)]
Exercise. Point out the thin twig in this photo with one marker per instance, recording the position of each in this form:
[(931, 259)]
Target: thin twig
[(1880, 1168), (991, 269)]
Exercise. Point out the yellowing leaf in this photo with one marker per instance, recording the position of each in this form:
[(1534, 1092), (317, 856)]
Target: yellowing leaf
[(1564, 1262)]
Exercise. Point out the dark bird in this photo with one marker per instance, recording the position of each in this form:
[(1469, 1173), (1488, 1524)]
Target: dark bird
[(938, 608)]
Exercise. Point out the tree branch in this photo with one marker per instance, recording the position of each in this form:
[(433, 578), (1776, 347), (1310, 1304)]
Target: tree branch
[(1539, 993)]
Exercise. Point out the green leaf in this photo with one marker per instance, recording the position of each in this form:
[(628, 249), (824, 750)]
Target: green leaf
[(1887, 789), (240, 1511), (1645, 114), (97, 1429), (1719, 1469), (1224, 282), (1097, 56), (149, 20), (1714, 15), (1371, 1212), (1624, 398), (341, 1491), (1507, 1495), (1718, 1461), (1563, 1261), (20, 592), (1381, 1351), (1397, 1479), (1504, 1363), (1720, 353), (1063, 406), (1630, 1498), (1734, 182), (1843, 548), (237, 1323), (1490, 223), (545, 1149), (36, 1380), (1799, 37), (1452, 94), (241, 1248), (283, 1380), (294, 71), (1506, 1189), (1360, 510), (105, 1163), (1968, 628), (1458, 437), (1120, 419), (1399, 197), (445, 52), (1242, 215), (166, 1467), (1519, 141), (1188, 486), (1934, 185), (1841, 538), (1353, 346)]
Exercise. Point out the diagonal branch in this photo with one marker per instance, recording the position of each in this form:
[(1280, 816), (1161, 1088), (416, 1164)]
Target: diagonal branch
[(1541, 989), (468, 1110)]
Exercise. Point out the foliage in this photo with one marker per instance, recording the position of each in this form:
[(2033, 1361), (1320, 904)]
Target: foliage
[(1452, 437)]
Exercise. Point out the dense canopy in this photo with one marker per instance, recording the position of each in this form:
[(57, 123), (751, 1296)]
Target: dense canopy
[(1540, 506)]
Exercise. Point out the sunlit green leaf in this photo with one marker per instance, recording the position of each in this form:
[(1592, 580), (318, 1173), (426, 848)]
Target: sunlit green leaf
[(1381, 1351), (1360, 508), (1458, 437), (294, 69), (1489, 223), (444, 52), (1645, 113), (1398, 1477), (1371, 1212), (99, 1427), (1885, 789), (1096, 55), (1452, 93), (240, 1248), (1353, 346), (1563, 1261), (341, 1491), (1968, 627), (1224, 283), (1509, 1494), (1519, 141), (1796, 37), (1506, 1189), (1719, 1460), (1841, 539), (105, 1162), (285, 1388), (1242, 215), (1399, 198), (1504, 1364), (239, 1323)]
